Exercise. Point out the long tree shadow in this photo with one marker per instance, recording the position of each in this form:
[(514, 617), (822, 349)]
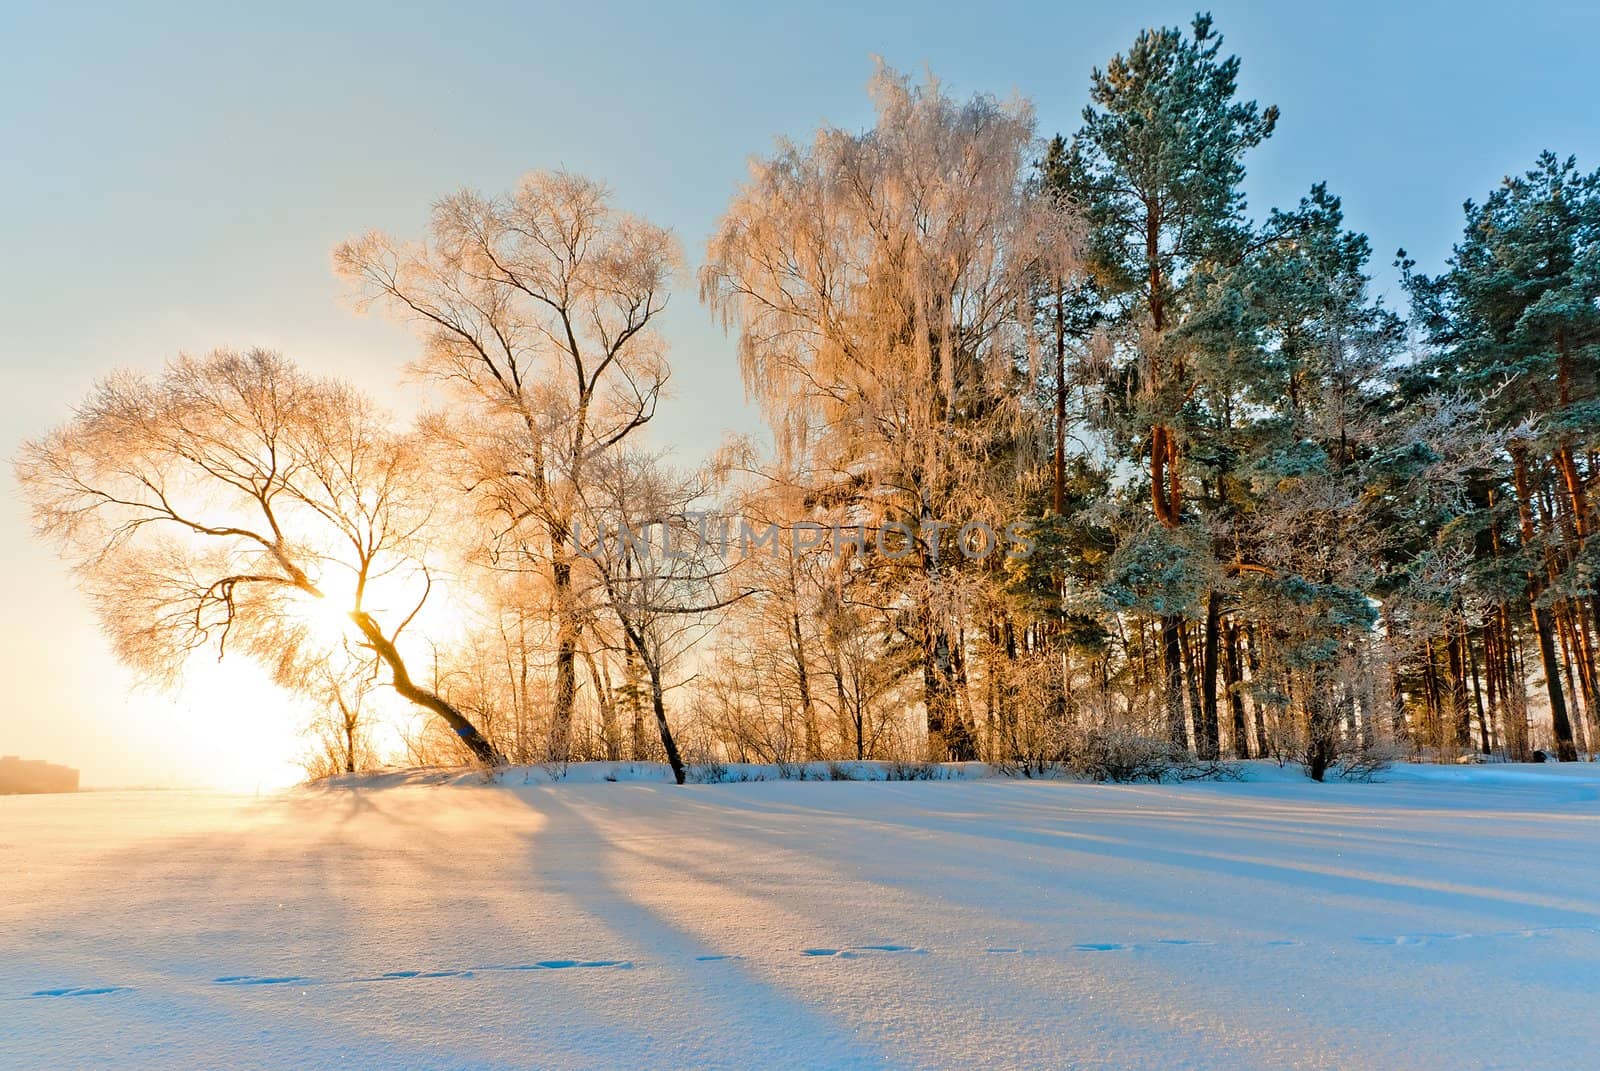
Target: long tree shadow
[(346, 922), (767, 1026), (1142, 838)]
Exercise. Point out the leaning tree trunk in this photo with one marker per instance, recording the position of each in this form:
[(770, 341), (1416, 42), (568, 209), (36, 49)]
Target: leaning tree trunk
[(636, 642), (484, 751), (658, 705)]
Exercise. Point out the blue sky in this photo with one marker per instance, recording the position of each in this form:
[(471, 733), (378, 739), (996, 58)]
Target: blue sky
[(175, 176)]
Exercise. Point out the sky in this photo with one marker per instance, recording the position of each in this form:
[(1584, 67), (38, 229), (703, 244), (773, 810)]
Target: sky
[(174, 177)]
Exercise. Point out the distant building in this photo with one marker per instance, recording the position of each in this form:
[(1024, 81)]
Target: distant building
[(34, 775)]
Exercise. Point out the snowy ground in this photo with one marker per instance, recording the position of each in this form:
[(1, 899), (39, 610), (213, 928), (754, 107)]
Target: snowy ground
[(1447, 919)]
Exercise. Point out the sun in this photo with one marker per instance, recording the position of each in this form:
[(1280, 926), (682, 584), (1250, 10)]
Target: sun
[(444, 614), (327, 616)]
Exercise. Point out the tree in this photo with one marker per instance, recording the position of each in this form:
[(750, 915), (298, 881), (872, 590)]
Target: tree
[(1156, 171), (341, 740), (1515, 320), (233, 501), (539, 310), (637, 526), (881, 286)]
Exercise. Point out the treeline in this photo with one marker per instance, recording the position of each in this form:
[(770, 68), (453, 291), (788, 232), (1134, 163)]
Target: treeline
[(1265, 514)]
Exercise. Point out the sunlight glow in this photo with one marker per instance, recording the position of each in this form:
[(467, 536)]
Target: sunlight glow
[(230, 727), (329, 617)]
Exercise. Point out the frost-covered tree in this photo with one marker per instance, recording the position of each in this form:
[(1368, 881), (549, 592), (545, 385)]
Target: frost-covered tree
[(1515, 320), (539, 311), (233, 502), (639, 530), (1157, 171), (881, 286)]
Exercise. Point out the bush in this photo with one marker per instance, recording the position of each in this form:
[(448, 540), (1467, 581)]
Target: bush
[(1358, 761), (912, 771), (1120, 756)]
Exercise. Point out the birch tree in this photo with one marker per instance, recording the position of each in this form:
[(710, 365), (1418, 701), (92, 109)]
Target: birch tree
[(539, 310), (233, 502), (880, 287)]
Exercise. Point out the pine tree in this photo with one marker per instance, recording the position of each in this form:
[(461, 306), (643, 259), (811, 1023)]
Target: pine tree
[(1516, 322), (1156, 170)]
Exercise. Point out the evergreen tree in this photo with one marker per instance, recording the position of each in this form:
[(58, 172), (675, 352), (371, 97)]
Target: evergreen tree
[(1516, 322), (1156, 171)]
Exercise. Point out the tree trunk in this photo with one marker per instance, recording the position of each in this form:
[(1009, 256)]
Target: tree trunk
[(1477, 691), (808, 713), (630, 684), (1566, 751), (1209, 731), (484, 751), (1460, 729), (1172, 658), (1263, 744), (1191, 680), (610, 732), (1233, 679), (658, 705), (1322, 725), (1565, 649), (1060, 497), (949, 739), (566, 660)]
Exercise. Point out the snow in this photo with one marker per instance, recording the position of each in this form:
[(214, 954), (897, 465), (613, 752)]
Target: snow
[(1444, 918)]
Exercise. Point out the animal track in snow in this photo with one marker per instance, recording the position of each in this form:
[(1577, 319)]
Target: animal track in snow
[(388, 975), (559, 965), (81, 991), (1413, 938), (857, 951), (1434, 938), (425, 975)]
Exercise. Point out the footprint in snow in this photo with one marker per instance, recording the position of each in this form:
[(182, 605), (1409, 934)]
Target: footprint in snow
[(81, 991), (393, 975), (858, 951), (562, 965), (1100, 947)]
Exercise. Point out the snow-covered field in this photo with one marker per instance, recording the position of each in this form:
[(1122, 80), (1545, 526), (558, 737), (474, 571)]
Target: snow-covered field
[(1449, 918)]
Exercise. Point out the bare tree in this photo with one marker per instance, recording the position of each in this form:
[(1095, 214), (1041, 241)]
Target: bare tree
[(661, 582), (233, 500), (539, 308), (341, 741)]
